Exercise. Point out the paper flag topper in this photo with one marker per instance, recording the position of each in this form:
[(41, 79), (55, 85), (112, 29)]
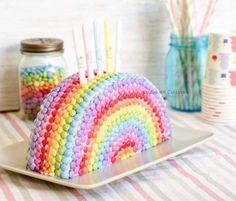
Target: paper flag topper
[(233, 42), (233, 78), (224, 60)]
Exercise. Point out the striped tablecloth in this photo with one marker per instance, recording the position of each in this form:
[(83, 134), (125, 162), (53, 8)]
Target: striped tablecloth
[(207, 172)]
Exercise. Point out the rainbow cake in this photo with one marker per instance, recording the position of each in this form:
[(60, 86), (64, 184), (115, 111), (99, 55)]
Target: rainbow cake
[(80, 129)]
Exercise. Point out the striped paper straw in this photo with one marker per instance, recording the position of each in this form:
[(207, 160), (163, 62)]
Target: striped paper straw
[(77, 39), (172, 18), (192, 68), (88, 51), (184, 20), (117, 45), (174, 10), (98, 41), (108, 50), (209, 12)]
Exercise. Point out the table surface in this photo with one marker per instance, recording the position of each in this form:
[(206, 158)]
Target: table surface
[(207, 172)]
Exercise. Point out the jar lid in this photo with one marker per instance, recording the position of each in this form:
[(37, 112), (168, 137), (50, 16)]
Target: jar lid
[(41, 45)]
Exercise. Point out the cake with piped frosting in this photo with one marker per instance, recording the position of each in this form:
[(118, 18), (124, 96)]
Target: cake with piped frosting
[(83, 128)]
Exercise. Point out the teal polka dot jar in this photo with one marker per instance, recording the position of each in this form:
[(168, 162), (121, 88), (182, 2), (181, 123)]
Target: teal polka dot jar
[(41, 68)]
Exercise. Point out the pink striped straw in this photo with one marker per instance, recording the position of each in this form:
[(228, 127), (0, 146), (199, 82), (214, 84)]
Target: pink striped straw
[(172, 20), (174, 9), (183, 17), (88, 52), (208, 14)]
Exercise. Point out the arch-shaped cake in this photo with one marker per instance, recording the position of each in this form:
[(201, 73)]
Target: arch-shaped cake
[(84, 128)]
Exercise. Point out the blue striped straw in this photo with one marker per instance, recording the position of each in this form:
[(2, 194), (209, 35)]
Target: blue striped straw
[(98, 41), (88, 51), (118, 33)]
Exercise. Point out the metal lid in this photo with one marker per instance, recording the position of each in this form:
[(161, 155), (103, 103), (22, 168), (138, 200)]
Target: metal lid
[(41, 45)]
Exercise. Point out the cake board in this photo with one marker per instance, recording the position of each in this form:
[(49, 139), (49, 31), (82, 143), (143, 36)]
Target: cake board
[(13, 158)]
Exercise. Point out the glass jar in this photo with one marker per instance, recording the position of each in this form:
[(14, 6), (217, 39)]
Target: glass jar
[(42, 67), (185, 67)]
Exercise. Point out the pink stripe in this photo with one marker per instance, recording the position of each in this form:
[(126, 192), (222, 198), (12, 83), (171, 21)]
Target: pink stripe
[(209, 12), (77, 195), (195, 180), (139, 189), (16, 126), (40, 186), (232, 129), (227, 158), (7, 192)]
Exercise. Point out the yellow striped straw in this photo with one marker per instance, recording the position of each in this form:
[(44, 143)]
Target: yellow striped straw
[(107, 39)]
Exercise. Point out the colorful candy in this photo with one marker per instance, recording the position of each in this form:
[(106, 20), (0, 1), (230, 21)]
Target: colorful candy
[(80, 129), (36, 83)]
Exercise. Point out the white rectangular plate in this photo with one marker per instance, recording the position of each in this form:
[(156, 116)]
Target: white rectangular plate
[(13, 158)]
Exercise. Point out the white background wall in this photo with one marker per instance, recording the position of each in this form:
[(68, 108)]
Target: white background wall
[(145, 35)]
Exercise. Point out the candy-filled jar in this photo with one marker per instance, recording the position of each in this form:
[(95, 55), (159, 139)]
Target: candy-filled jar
[(41, 68)]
